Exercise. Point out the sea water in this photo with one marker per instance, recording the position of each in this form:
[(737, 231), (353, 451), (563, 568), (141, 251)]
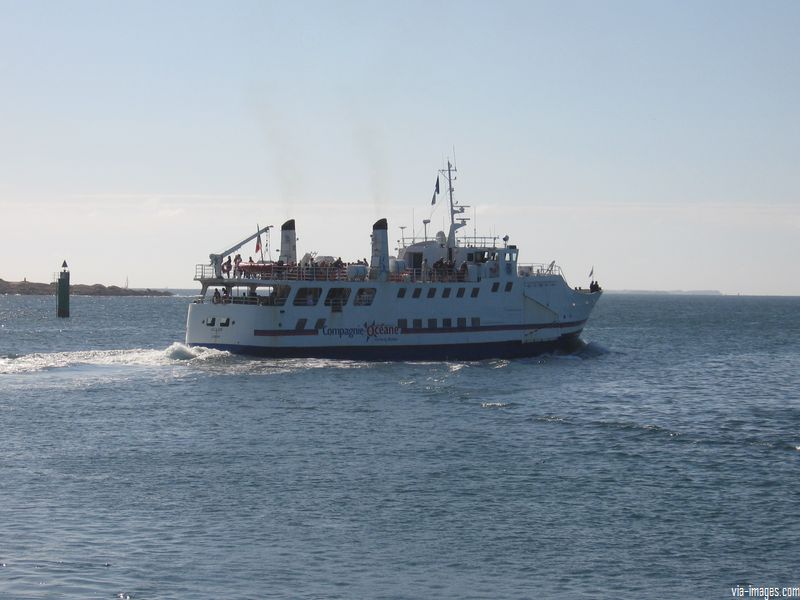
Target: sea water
[(661, 461)]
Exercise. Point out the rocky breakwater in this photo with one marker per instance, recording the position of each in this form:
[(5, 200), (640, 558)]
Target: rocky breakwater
[(29, 288)]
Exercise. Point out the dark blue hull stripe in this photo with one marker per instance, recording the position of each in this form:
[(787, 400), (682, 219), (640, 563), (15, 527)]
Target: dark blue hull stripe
[(476, 351), (478, 328)]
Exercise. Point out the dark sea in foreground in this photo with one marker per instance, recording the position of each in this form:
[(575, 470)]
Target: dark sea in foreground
[(662, 461)]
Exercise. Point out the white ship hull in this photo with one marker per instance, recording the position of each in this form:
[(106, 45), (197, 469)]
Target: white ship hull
[(537, 314)]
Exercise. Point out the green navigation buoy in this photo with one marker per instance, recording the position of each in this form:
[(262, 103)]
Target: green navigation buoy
[(62, 292)]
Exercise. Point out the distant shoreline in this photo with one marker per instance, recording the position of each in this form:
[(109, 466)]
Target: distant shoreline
[(30, 288), (669, 292)]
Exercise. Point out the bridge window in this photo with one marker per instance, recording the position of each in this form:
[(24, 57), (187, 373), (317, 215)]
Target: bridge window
[(276, 295), (417, 323), (495, 287), (416, 293), (431, 323), (446, 292), (319, 324), (447, 323), (462, 322), (414, 260), (475, 292), (364, 297), (301, 324), (431, 292), (460, 293), (509, 285), (337, 296), (307, 296), (402, 323), (401, 293)]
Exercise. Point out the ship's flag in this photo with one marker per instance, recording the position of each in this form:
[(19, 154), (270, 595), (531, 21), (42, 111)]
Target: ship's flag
[(258, 242), (591, 272), (435, 191)]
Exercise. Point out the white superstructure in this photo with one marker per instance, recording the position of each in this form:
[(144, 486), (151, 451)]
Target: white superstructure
[(450, 297)]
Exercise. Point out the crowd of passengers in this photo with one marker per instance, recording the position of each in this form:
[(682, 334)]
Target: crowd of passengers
[(441, 270), (234, 269), (593, 287), (444, 270)]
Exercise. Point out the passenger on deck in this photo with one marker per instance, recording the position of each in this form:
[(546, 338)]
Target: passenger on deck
[(225, 296), (251, 261), (226, 267), (217, 297)]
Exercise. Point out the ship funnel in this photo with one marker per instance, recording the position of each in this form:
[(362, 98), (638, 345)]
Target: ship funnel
[(288, 243), (379, 266)]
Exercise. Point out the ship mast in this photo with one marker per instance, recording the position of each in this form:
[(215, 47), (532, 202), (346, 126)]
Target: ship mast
[(455, 208), (450, 171)]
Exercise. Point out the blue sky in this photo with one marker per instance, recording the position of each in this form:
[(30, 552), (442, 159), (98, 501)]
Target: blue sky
[(657, 142)]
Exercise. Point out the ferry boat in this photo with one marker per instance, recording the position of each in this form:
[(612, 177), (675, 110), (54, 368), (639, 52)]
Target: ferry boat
[(450, 297)]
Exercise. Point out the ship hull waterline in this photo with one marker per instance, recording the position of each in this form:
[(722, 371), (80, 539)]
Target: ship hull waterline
[(568, 343)]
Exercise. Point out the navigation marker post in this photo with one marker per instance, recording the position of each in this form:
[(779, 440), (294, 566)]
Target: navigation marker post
[(62, 292)]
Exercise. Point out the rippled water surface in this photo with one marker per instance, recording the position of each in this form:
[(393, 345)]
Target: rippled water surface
[(662, 461)]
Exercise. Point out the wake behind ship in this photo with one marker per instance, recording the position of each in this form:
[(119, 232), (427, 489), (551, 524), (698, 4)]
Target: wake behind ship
[(449, 297)]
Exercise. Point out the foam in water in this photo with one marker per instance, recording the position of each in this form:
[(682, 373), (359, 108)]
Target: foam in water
[(35, 362), (495, 404), (178, 351)]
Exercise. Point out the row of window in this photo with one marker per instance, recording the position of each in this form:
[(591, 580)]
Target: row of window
[(417, 292), (338, 296), (460, 323), (482, 256), (212, 322)]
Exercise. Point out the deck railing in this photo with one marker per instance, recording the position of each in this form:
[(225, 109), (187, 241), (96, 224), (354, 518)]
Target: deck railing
[(314, 273), (538, 270), (274, 273), (477, 241), (203, 272), (243, 299)]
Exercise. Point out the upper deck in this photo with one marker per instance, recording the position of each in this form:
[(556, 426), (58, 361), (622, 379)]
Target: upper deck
[(444, 258), (269, 273)]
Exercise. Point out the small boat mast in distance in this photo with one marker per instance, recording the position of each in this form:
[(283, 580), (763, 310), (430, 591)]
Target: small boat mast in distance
[(446, 297)]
